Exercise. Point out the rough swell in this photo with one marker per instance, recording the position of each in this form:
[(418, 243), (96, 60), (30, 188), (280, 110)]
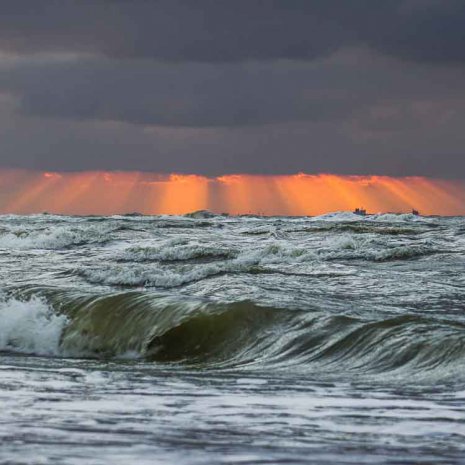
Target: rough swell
[(227, 335), (54, 238)]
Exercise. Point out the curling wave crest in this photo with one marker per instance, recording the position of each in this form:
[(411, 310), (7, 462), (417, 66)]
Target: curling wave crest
[(228, 335)]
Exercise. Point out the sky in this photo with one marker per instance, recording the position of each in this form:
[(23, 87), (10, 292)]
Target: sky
[(106, 193), (216, 87), (224, 87)]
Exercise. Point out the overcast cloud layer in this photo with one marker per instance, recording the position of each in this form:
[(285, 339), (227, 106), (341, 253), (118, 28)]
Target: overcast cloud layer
[(222, 86)]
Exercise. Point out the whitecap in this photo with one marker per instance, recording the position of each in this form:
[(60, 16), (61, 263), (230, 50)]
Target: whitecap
[(30, 327)]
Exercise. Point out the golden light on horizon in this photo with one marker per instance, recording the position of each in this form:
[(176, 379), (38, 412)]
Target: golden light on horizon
[(106, 193)]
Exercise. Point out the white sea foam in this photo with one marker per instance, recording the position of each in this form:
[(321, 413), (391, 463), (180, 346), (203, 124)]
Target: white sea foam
[(175, 251), (379, 249), (345, 216), (30, 327), (158, 276), (338, 216), (272, 255), (56, 237), (398, 218)]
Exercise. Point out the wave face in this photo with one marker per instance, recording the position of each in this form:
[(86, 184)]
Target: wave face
[(332, 296), (229, 335)]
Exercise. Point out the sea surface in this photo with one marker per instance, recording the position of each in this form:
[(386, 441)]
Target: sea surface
[(206, 339)]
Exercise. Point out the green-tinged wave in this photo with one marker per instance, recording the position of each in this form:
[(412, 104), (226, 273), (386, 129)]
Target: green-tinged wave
[(223, 335)]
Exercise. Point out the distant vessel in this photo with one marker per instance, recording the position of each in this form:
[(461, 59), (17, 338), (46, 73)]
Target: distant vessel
[(360, 211), (415, 212)]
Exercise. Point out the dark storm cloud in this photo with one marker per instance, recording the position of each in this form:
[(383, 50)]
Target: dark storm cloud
[(234, 30), (367, 145), (221, 86), (174, 95), (181, 95), (173, 30), (240, 94)]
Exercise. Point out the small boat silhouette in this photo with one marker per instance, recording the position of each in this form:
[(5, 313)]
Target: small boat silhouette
[(360, 211), (415, 212)]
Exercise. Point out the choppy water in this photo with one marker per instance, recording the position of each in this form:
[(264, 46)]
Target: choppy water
[(334, 339)]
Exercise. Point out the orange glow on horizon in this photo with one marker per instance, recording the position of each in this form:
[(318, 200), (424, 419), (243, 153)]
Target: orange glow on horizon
[(105, 193)]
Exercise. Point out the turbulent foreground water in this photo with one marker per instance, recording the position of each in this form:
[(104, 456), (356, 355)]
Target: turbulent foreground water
[(211, 339)]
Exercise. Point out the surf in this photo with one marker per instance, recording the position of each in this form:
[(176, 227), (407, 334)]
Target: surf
[(239, 335)]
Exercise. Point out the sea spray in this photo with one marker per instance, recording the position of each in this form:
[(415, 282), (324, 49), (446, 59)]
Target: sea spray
[(30, 326)]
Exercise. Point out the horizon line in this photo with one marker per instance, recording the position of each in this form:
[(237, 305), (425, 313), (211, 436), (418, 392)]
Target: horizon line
[(301, 194)]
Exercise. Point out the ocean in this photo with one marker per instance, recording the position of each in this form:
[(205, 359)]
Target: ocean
[(214, 339)]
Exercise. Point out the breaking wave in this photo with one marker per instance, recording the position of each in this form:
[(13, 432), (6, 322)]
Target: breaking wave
[(176, 250), (349, 247), (345, 216), (56, 237), (228, 335), (30, 326), (267, 259), (147, 266)]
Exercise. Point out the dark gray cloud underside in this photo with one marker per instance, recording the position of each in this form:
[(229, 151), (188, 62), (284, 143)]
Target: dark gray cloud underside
[(235, 30), (225, 86), (230, 95), (283, 149)]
